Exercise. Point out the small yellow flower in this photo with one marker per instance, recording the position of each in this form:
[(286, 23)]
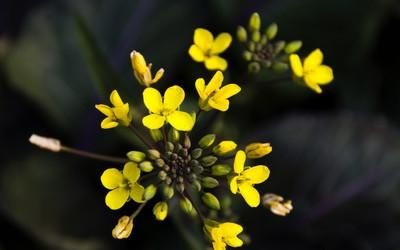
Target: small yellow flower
[(160, 210), (312, 72), (122, 185), (224, 148), (206, 49), (142, 70), (213, 96), (257, 150), (162, 111), (245, 177), (119, 114), (124, 228), (226, 234)]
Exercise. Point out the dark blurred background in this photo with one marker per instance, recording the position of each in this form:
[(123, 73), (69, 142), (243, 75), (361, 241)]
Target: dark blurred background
[(336, 155)]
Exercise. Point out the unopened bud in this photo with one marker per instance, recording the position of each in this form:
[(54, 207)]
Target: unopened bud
[(160, 163), (207, 140), (162, 175), (241, 34), (187, 143), (211, 201), (169, 147), (256, 36), (221, 169), (271, 31), (208, 161), (254, 22), (123, 229), (149, 192), (279, 46), (293, 47), (209, 182), (257, 150), (146, 166), (168, 192), (136, 156), (196, 184), (46, 143), (156, 135), (247, 55), (173, 135), (160, 210), (254, 67), (153, 154), (186, 205), (279, 67), (225, 148), (196, 153)]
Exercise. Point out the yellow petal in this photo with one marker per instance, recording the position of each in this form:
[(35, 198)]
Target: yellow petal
[(203, 38), (131, 172), (215, 83), (108, 122), (250, 194), (257, 174), (181, 121), (230, 229), (201, 87), (122, 114), (137, 192), (219, 245), (106, 110), (152, 100), (221, 43), (158, 75), (219, 104), (322, 74), (138, 62), (312, 84), (111, 178), (196, 53), (153, 121), (233, 184), (234, 242), (216, 63), (238, 163), (173, 97), (313, 60), (115, 99), (227, 91), (295, 64), (116, 198)]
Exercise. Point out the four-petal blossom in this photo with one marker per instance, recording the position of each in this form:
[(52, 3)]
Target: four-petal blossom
[(122, 185), (244, 178), (226, 234), (206, 49), (166, 110), (119, 114), (312, 72), (212, 96)]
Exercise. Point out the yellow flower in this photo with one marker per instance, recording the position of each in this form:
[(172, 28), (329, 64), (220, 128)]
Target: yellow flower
[(122, 185), (245, 177), (257, 150), (160, 210), (142, 70), (119, 114), (213, 96), (224, 148), (162, 111), (206, 49), (226, 234), (312, 72)]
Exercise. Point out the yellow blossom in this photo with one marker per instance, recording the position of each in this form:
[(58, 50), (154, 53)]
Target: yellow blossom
[(124, 228), (257, 150), (162, 111), (142, 70), (224, 148), (213, 96), (123, 184), (119, 114), (160, 210), (312, 72), (244, 178), (206, 49), (226, 234)]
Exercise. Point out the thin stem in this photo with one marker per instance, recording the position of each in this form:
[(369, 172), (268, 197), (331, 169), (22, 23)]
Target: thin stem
[(93, 155), (138, 210), (201, 216), (164, 132), (140, 136)]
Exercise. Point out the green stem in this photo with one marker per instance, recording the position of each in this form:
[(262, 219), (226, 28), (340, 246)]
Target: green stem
[(140, 136), (93, 155), (137, 211)]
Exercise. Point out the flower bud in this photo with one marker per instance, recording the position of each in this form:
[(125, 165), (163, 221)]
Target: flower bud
[(197, 185), (169, 146), (123, 228), (279, 46), (187, 143), (162, 175), (207, 140), (279, 67), (256, 36), (136, 156), (149, 192), (254, 67), (247, 55), (146, 166), (241, 34), (257, 150), (168, 192), (196, 153), (160, 210), (156, 135), (208, 161), (254, 22), (293, 47), (220, 169), (173, 135), (209, 182), (160, 163), (211, 201), (186, 205), (153, 154), (271, 31), (225, 148)]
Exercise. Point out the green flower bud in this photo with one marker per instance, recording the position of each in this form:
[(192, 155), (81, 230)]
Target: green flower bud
[(197, 185), (207, 140), (254, 22), (264, 40), (256, 36), (196, 153), (156, 135), (241, 34), (160, 210), (149, 192), (254, 67), (146, 166), (153, 154), (160, 163), (173, 135), (221, 169), (247, 55), (211, 201), (169, 147), (187, 143), (208, 161), (279, 67), (252, 46), (180, 187), (168, 192), (225, 148), (271, 31), (162, 175), (279, 46), (186, 205), (209, 182), (136, 156), (293, 47)]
